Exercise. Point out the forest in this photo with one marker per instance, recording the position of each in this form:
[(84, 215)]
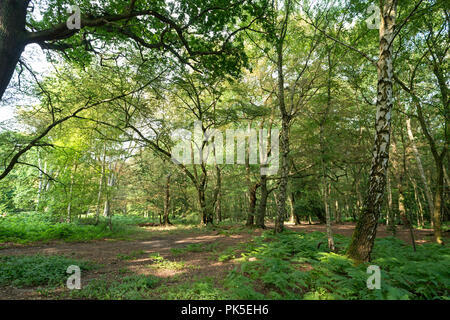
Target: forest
[(224, 149)]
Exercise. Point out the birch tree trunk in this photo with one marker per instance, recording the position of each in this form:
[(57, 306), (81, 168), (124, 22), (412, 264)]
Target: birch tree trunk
[(366, 228)]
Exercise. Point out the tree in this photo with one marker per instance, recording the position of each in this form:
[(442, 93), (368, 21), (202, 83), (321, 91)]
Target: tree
[(432, 43), (208, 29), (366, 227)]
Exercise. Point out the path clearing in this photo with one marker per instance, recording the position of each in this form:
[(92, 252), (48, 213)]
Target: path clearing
[(107, 253)]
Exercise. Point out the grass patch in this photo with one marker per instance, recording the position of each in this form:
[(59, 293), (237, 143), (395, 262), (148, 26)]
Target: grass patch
[(133, 255), (200, 289), (159, 262), (24, 271), (233, 252), (29, 227), (32, 227), (134, 287), (195, 247)]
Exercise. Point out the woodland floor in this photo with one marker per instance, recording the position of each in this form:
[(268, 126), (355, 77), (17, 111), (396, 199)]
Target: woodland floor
[(107, 253)]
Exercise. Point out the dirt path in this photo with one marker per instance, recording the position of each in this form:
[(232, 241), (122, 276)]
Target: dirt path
[(108, 253), (346, 229)]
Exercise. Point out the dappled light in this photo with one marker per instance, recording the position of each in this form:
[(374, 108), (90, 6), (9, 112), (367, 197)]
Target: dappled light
[(224, 150)]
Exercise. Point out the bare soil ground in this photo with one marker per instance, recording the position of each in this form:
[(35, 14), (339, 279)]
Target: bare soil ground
[(107, 253)]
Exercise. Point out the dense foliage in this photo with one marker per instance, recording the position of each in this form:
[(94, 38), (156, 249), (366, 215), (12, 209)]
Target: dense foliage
[(102, 113)]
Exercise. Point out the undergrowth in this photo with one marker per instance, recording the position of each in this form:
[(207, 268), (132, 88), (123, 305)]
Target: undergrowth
[(134, 287), (200, 289), (24, 271), (30, 227), (292, 266)]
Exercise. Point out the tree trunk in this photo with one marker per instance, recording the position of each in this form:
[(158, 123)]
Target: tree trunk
[(390, 213), (69, 206), (107, 207), (400, 169), (111, 181), (325, 197), (293, 217), (438, 160), (100, 185), (207, 216), (251, 189), (419, 204), (326, 185), (366, 228), (166, 221), (217, 199), (359, 199), (328, 219), (337, 211), (41, 179), (12, 38), (262, 203), (284, 145), (399, 175), (218, 206), (420, 167), (401, 200), (446, 178), (438, 204), (252, 204), (347, 207)]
